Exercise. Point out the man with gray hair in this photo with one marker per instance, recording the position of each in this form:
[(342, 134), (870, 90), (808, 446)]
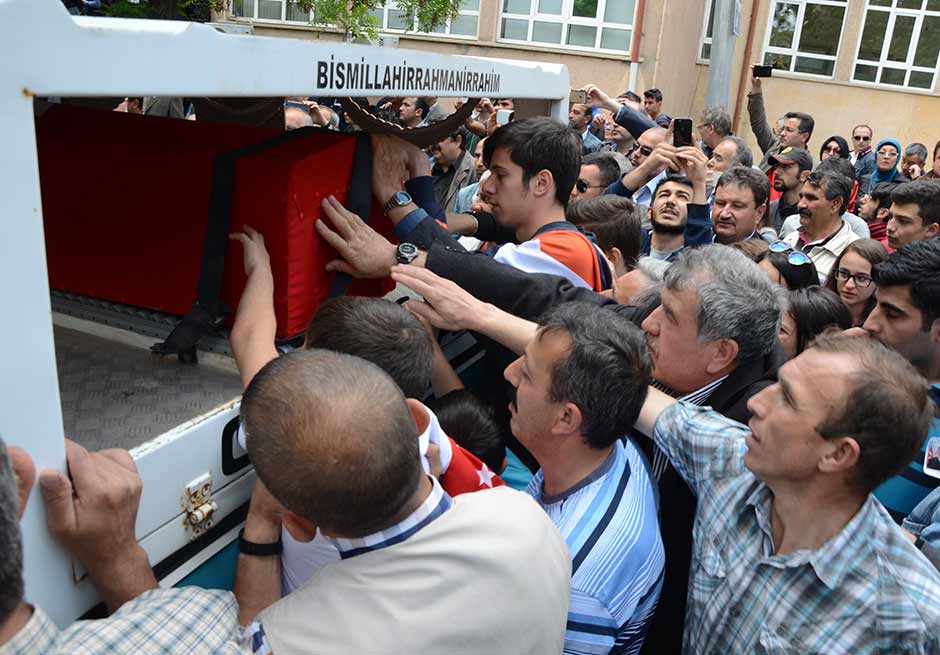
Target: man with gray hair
[(914, 160), (714, 126)]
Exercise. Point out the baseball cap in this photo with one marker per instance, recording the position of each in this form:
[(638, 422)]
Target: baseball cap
[(793, 156)]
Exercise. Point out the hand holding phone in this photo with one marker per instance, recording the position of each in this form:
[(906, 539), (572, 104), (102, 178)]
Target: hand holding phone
[(763, 71), (681, 132)]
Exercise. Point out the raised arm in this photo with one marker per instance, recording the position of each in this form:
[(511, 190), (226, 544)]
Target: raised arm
[(764, 134), (255, 326)]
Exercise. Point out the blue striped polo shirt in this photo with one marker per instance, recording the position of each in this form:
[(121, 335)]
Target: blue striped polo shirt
[(609, 521)]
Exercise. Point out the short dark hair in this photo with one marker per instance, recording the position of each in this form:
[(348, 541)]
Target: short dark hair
[(422, 104), (796, 277), (915, 265), (814, 309), (462, 134), (331, 437), (807, 124), (380, 331), (887, 409), (918, 150), (871, 251), (11, 568), (615, 222), (538, 144), (751, 248), (743, 156), (747, 178), (882, 193), (840, 165), (606, 163), (471, 423), (605, 372), (631, 96), (833, 185), (678, 178), (923, 193), (653, 94)]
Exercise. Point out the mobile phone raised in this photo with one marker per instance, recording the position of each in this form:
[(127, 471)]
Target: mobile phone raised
[(578, 96), (763, 71), (681, 132)]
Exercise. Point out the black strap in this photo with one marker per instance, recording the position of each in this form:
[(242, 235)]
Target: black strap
[(208, 311)]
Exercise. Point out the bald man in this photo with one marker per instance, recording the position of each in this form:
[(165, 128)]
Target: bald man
[(333, 438)]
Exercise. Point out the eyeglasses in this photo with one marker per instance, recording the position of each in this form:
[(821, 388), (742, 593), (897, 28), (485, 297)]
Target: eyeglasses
[(646, 151), (887, 153), (861, 138), (861, 280), (833, 149), (582, 186), (794, 258)]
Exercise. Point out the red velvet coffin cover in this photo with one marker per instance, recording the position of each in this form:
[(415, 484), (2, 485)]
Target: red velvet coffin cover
[(125, 202)]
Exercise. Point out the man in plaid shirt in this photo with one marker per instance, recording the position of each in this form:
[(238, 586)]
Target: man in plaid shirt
[(792, 553)]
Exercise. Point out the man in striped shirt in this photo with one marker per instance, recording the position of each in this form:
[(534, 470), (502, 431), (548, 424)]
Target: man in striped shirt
[(578, 388), (792, 553)]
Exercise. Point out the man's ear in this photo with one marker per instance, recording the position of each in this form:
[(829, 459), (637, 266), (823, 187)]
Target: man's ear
[(932, 230), (301, 529), (761, 212), (569, 420), (724, 354), (935, 332), (25, 472), (419, 413), (543, 183), (840, 454)]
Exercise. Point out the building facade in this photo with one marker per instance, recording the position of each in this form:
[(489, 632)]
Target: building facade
[(843, 61)]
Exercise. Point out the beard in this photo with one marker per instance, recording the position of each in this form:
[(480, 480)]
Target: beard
[(662, 227)]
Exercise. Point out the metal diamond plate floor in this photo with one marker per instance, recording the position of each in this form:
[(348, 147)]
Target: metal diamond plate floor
[(119, 396)]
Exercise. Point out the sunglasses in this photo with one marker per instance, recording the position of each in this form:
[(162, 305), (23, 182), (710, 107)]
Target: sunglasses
[(582, 186), (794, 258), (833, 149), (644, 150), (861, 138), (861, 280)]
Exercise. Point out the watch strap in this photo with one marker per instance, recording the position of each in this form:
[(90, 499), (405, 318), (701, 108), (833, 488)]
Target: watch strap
[(258, 550)]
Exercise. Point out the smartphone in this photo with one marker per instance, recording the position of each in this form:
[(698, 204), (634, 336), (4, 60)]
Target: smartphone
[(294, 104), (578, 97), (681, 132), (763, 71), (503, 116)]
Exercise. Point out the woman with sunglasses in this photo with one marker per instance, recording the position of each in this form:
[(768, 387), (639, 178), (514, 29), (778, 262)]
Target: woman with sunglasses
[(887, 158), (834, 146), (851, 277), (787, 267)]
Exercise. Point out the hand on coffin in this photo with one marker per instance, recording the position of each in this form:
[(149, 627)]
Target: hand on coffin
[(446, 305), (256, 255), (93, 516), (364, 252), (389, 166)]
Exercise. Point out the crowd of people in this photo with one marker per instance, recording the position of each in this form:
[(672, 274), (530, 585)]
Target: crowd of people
[(706, 420)]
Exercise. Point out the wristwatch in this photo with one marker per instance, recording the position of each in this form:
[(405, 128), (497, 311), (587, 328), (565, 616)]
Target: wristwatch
[(400, 199), (406, 253), (258, 550)]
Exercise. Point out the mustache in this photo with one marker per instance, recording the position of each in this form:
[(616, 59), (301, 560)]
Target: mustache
[(805, 212)]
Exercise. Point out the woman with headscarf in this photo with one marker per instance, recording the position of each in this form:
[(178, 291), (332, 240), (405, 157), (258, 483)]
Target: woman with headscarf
[(887, 158), (834, 146)]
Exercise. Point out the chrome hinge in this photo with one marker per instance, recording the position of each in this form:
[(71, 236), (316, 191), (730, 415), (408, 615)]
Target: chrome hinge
[(198, 505)]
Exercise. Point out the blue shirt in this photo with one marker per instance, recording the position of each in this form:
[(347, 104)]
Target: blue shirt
[(609, 522), (903, 492)]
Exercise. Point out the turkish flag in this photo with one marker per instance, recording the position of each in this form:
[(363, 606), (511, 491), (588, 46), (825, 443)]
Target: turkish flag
[(467, 473)]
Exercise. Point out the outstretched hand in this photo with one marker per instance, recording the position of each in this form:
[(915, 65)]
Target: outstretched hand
[(364, 252), (256, 255), (446, 305)]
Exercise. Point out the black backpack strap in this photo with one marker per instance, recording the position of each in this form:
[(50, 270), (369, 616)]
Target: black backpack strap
[(208, 311)]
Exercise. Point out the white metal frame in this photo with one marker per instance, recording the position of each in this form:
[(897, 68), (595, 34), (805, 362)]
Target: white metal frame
[(883, 62), (793, 51), (566, 20), (391, 6), (57, 55)]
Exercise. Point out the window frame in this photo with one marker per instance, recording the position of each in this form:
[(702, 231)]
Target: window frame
[(705, 40), (907, 66), (793, 51), (565, 19)]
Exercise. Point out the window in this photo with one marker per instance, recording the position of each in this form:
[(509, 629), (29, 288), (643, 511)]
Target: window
[(705, 53), (899, 43), (578, 24), (390, 19), (804, 35), (280, 10), (465, 25)]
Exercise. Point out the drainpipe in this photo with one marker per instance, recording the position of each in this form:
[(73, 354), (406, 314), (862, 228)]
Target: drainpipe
[(746, 64), (635, 46)]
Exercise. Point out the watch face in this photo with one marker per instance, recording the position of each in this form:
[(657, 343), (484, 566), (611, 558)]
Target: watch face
[(406, 253), (402, 198)]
